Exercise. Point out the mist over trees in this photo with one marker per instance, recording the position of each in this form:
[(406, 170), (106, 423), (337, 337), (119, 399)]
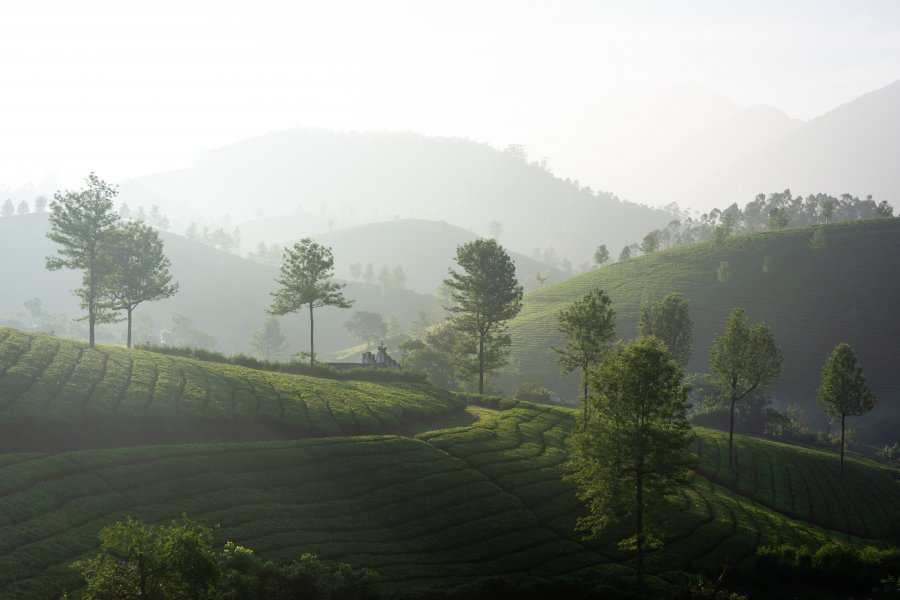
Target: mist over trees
[(771, 212)]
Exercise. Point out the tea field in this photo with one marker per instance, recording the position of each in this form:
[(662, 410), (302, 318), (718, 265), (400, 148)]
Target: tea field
[(440, 509)]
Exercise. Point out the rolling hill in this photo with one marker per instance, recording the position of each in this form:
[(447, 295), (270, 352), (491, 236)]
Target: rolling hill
[(811, 298), (446, 508), (368, 177), (59, 394), (424, 249)]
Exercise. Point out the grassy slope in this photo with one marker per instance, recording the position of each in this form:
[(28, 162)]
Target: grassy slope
[(442, 509), (73, 396), (812, 299)]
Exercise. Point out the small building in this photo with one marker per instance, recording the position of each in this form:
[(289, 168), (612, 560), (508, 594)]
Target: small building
[(381, 360)]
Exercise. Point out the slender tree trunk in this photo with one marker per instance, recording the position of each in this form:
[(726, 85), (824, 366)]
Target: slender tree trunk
[(639, 538), (312, 351), (584, 416), (481, 363), (731, 437), (129, 326), (842, 443)]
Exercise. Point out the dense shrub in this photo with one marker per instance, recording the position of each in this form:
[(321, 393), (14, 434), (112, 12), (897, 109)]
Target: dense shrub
[(833, 566)]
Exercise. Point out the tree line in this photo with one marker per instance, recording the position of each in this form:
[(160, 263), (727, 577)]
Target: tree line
[(631, 449)]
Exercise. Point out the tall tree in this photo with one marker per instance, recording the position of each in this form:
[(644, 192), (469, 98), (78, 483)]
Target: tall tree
[(82, 224), (625, 254), (589, 325), (634, 449), (485, 295), (844, 391), (743, 359), (268, 340), (141, 269), (650, 243), (306, 277), (601, 256), (367, 327), (8, 209), (22, 208), (669, 320)]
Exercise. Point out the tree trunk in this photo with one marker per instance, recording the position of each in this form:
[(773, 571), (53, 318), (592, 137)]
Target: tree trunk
[(639, 537), (129, 326), (312, 351), (481, 363), (731, 437), (842, 443), (584, 374)]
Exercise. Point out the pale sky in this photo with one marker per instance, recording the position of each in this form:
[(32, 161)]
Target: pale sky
[(126, 88)]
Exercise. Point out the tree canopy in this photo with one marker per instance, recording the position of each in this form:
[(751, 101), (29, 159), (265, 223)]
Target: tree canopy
[(82, 224), (484, 295), (589, 325), (843, 391), (307, 278), (634, 449), (140, 269), (669, 320), (743, 359)]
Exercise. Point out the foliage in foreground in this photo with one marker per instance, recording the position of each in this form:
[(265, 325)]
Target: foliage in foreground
[(176, 561), (633, 449)]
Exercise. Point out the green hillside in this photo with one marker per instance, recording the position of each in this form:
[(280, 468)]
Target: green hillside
[(811, 298), (391, 243), (446, 508), (57, 394)]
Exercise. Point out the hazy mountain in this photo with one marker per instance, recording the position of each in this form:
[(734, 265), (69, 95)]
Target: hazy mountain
[(423, 249), (854, 149), (610, 142), (356, 177), (714, 148)]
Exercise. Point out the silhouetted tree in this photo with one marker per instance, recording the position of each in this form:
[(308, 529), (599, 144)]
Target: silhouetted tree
[(484, 296), (634, 449), (306, 278), (140, 269), (844, 391), (743, 359), (82, 224), (589, 325)]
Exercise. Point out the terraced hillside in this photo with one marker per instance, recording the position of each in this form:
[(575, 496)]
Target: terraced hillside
[(60, 394), (444, 508), (811, 298)]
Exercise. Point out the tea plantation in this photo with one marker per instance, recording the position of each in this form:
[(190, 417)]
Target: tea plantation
[(59, 394), (811, 298), (440, 509)]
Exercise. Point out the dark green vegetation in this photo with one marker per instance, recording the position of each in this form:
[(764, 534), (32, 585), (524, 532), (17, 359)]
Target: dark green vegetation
[(484, 295), (811, 299), (446, 508), (58, 394)]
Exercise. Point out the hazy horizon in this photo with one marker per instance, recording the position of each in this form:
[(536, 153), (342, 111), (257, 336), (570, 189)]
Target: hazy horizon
[(127, 93)]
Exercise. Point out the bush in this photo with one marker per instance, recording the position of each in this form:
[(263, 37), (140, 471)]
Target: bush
[(833, 566), (532, 391)]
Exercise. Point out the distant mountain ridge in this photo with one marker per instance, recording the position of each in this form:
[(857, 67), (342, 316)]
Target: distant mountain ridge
[(357, 177), (689, 145)]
